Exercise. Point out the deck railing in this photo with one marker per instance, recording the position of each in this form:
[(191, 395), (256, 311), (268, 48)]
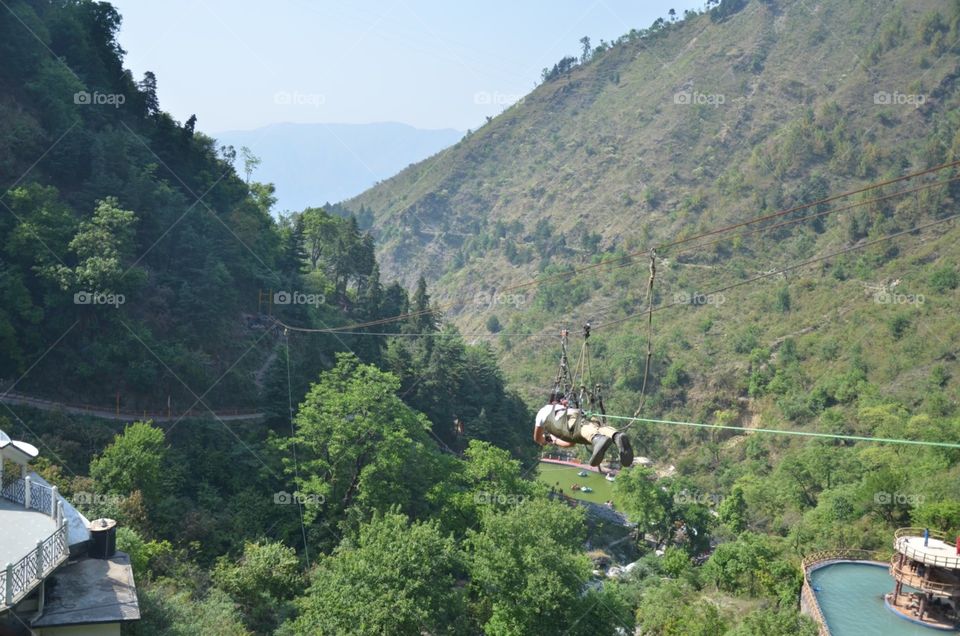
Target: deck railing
[(918, 532), (20, 578), (900, 544), (916, 581), (806, 593), (33, 495)]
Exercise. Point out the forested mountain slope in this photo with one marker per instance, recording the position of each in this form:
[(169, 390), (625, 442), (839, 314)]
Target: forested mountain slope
[(139, 271), (750, 108), (685, 125)]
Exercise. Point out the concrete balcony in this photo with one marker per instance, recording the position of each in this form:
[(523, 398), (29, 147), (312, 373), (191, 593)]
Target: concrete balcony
[(34, 537), (936, 550)]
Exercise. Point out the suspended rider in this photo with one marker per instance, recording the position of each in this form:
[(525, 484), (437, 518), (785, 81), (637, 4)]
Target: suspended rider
[(559, 424)]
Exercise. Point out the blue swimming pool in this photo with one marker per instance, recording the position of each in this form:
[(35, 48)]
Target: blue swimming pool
[(851, 599)]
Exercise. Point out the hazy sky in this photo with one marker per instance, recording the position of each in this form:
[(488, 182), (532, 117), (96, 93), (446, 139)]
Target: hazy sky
[(240, 64)]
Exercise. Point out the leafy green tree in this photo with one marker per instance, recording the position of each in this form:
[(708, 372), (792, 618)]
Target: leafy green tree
[(645, 502), (783, 299), (423, 319), (134, 461), (263, 582), (39, 231), (771, 622), (263, 195), (675, 561), (752, 566), (357, 444), (171, 612), (938, 515), (104, 246), (294, 253), (250, 162), (672, 608), (395, 301), (882, 489), (585, 49), (528, 574), (944, 279), (148, 90), (397, 578), (146, 557), (318, 230), (488, 479), (733, 511)]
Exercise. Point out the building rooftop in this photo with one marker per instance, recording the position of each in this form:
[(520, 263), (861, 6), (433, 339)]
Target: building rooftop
[(90, 591), (17, 451)]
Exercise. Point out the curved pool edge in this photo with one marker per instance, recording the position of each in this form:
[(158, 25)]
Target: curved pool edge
[(811, 596), (915, 621), (822, 564), (808, 596)]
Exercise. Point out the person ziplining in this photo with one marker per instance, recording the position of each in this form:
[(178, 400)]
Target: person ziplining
[(566, 426), (559, 423), (563, 423)]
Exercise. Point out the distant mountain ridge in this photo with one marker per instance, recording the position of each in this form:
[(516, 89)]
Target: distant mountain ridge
[(312, 164)]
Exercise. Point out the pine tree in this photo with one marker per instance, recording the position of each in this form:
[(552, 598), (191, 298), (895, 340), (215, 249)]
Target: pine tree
[(423, 319), (294, 251)]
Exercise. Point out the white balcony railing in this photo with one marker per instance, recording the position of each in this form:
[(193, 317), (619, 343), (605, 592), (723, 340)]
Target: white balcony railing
[(20, 578), (924, 554), (32, 495)]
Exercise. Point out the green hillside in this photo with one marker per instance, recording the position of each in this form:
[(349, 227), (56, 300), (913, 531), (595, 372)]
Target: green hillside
[(674, 129), (609, 158)]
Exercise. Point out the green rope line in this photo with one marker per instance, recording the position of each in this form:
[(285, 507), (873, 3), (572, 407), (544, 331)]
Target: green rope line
[(856, 438)]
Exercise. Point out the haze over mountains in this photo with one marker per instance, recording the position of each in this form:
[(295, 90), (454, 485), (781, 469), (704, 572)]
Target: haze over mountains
[(311, 164)]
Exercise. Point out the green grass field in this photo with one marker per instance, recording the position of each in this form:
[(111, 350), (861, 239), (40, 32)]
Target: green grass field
[(550, 474)]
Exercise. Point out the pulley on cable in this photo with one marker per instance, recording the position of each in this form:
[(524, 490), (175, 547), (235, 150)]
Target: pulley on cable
[(576, 388)]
